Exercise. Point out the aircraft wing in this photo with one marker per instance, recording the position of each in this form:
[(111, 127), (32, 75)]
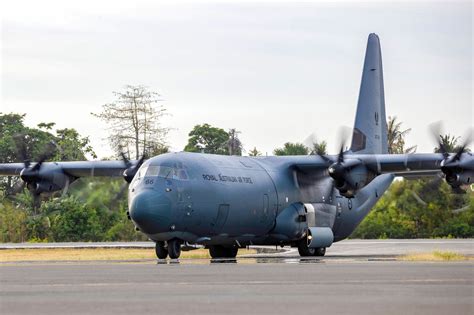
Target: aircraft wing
[(54, 176), (353, 171), (74, 169), (397, 164)]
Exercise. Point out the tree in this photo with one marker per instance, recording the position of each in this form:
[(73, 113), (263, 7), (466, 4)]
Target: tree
[(134, 120), (292, 149), (234, 144), (396, 137), (319, 148), (72, 147), (450, 144), (75, 222), (208, 139), (401, 213), (254, 152)]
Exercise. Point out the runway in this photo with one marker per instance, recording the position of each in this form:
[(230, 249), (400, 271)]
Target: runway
[(282, 283)]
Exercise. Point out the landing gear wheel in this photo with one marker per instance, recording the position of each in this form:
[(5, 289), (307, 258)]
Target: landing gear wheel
[(320, 251), (216, 251), (232, 252), (219, 251), (304, 250), (161, 251), (174, 248)]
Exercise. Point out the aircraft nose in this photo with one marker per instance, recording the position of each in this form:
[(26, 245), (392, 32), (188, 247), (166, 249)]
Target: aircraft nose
[(151, 212)]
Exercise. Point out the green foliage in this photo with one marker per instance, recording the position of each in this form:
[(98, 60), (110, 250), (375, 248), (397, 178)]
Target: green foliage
[(396, 137), (72, 146), (13, 221), (75, 222), (419, 209), (450, 144), (208, 139), (123, 230), (319, 148), (254, 152), (292, 149)]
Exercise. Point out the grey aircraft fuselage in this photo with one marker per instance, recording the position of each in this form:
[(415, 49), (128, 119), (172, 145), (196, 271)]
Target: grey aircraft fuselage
[(213, 199)]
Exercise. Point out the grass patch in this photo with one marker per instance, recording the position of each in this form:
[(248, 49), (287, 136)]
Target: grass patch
[(436, 255), (89, 254)]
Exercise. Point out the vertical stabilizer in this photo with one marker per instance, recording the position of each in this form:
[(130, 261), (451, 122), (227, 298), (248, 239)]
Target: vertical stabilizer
[(370, 128)]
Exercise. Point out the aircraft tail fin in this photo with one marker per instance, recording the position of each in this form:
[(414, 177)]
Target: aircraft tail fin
[(370, 129)]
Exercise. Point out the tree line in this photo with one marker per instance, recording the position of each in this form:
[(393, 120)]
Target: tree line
[(94, 209)]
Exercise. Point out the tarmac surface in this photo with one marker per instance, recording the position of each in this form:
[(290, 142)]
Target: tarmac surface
[(350, 279)]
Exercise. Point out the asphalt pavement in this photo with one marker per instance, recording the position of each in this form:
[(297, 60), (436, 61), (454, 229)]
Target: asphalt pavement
[(355, 283)]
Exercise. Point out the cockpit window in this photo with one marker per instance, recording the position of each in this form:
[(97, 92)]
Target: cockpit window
[(175, 172)]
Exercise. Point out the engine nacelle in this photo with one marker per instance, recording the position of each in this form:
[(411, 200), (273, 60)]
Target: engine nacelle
[(350, 179), (456, 180), (320, 237), (290, 223), (48, 178)]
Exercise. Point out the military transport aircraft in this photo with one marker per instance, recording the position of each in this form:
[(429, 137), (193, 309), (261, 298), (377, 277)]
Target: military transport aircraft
[(228, 202)]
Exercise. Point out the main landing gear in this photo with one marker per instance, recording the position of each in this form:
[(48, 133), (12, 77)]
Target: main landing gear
[(219, 251), (305, 251), (171, 249)]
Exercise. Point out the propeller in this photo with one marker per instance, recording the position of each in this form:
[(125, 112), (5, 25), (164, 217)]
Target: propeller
[(338, 168), (30, 175), (131, 169), (450, 165), (129, 173)]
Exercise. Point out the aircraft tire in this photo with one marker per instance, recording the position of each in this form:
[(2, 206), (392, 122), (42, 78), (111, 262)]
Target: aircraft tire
[(216, 251), (174, 248), (320, 251), (304, 250), (161, 251), (232, 252), (219, 251)]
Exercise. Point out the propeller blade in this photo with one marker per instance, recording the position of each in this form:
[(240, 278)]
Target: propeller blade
[(126, 161), (48, 153), (66, 187), (119, 195), (465, 144), (436, 131), (18, 187), (340, 156), (21, 149)]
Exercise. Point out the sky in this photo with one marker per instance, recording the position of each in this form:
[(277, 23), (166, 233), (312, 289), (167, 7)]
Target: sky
[(277, 71)]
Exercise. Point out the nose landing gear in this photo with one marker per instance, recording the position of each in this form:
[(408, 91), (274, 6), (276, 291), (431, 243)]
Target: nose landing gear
[(161, 250), (171, 249), (174, 248)]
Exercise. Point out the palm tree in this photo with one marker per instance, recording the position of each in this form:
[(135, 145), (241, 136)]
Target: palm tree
[(254, 152), (319, 148), (450, 144), (396, 137)]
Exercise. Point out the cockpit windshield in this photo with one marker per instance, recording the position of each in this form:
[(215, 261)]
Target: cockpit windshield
[(177, 171)]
